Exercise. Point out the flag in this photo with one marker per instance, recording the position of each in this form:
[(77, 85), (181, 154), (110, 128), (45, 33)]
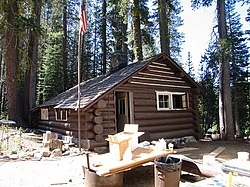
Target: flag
[(83, 18)]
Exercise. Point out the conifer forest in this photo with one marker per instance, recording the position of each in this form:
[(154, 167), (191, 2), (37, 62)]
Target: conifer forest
[(39, 53)]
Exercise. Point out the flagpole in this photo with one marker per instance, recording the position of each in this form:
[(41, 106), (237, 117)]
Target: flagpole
[(79, 87), (82, 29)]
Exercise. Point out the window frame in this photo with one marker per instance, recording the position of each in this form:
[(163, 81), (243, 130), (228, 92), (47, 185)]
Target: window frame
[(44, 114), (61, 114), (184, 100)]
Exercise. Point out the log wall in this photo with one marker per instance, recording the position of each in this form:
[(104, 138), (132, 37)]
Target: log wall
[(100, 119), (162, 124)]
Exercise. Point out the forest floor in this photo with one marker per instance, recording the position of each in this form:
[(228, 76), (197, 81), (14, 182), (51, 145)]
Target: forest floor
[(24, 168)]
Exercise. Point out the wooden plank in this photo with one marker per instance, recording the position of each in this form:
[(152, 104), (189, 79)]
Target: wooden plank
[(107, 165), (217, 151)]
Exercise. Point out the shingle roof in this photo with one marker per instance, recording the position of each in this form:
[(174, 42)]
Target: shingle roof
[(96, 87), (93, 88)]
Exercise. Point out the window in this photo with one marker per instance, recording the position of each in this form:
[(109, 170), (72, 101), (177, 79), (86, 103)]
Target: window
[(61, 114), (171, 100), (44, 114)]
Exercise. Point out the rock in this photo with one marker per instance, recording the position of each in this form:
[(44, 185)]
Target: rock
[(37, 156), (56, 153), (46, 153), (13, 157), (22, 155), (66, 153), (5, 157), (30, 154), (65, 148)]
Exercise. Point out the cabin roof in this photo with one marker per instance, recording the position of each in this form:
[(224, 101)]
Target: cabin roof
[(94, 88)]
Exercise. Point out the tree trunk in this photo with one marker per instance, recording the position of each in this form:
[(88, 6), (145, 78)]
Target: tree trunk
[(136, 27), (31, 76), (11, 57), (104, 37), (2, 81), (225, 101), (164, 26), (65, 51)]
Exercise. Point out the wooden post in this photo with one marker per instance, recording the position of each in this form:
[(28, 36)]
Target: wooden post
[(79, 88)]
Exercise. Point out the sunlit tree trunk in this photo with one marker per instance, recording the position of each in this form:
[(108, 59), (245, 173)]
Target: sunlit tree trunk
[(225, 101), (137, 48), (65, 51), (164, 26), (104, 37)]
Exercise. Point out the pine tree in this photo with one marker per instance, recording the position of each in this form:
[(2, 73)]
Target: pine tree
[(169, 22), (189, 67), (239, 61)]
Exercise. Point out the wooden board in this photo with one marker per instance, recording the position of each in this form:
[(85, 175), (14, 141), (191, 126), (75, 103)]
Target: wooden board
[(217, 151), (105, 165)]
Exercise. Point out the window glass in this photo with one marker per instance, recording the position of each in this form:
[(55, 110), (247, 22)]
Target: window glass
[(171, 100)]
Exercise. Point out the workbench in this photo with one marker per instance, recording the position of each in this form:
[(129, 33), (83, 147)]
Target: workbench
[(104, 164)]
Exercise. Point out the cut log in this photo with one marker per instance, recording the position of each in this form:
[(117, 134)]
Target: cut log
[(99, 138), (97, 112), (91, 144), (89, 117), (98, 129), (100, 104), (98, 119)]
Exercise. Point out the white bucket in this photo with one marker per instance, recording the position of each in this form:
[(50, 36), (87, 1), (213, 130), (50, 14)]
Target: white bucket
[(243, 156)]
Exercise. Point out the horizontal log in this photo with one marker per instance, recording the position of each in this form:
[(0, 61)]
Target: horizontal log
[(159, 81), (153, 75), (172, 134), (98, 129), (91, 144), (149, 96), (108, 125), (100, 104), (67, 126), (162, 115), (145, 108), (155, 122), (142, 102), (74, 119), (106, 117), (108, 109), (166, 128), (99, 138), (57, 130), (136, 89), (108, 131), (58, 124)]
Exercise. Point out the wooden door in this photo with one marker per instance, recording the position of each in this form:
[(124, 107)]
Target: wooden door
[(122, 110)]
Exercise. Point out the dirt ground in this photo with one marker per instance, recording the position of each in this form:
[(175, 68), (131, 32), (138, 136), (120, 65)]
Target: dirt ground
[(67, 170)]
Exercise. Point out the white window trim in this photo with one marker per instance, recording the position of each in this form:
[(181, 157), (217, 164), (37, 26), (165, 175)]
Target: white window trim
[(60, 118), (44, 114), (170, 100)]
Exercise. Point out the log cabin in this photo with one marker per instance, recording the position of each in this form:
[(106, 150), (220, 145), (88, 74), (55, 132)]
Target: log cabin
[(157, 94)]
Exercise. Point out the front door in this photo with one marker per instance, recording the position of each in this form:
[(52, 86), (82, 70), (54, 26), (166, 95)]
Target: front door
[(122, 110)]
